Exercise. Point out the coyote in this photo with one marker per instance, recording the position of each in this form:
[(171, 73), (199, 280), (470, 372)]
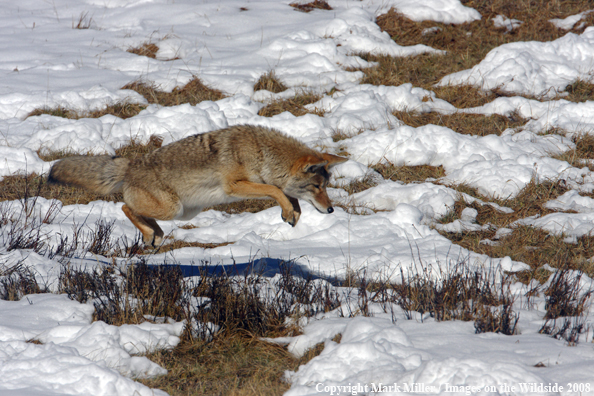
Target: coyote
[(176, 181)]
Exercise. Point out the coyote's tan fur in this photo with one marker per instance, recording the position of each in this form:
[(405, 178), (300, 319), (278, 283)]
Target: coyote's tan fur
[(178, 180)]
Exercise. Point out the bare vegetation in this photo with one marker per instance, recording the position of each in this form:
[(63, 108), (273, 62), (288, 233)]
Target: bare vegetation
[(409, 174), (527, 244), (120, 109), (295, 105), (193, 92), (84, 21), (464, 123), (270, 82), (308, 7), (147, 49), (467, 44), (566, 301), (227, 356)]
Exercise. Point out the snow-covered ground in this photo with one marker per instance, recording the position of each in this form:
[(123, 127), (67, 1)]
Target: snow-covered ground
[(229, 44)]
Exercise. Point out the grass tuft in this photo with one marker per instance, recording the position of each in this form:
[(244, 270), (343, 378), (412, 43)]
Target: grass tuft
[(409, 174), (565, 299), (295, 105), (84, 21), (237, 364), (147, 49), (122, 109), (193, 92), (467, 124), (583, 153), (270, 82), (308, 7)]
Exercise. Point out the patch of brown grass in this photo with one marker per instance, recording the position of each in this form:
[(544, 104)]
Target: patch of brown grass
[(147, 49), (295, 105), (122, 109), (270, 82), (583, 151), (229, 365), (193, 92), (579, 90), (409, 174), (357, 186), (339, 134), (467, 124), (466, 45), (529, 202), (532, 246), (316, 4)]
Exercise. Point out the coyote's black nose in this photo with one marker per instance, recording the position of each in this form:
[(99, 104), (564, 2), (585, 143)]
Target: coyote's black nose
[(330, 209)]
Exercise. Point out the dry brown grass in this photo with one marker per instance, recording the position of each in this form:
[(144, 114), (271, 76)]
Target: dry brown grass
[(193, 92), (466, 45), (408, 174), (527, 244), (583, 151), (529, 202), (270, 82), (147, 49), (230, 365), (84, 21), (580, 90), (359, 185), (467, 124), (120, 109), (308, 7), (295, 105), (532, 246)]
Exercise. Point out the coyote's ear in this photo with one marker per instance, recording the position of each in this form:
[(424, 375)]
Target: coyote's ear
[(309, 163), (333, 160)]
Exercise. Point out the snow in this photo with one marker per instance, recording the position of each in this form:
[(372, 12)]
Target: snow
[(445, 11), (77, 357), (572, 118), (433, 358), (569, 22), (392, 231), (541, 69), (502, 21)]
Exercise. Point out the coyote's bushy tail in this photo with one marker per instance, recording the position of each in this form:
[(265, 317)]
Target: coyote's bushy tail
[(101, 174)]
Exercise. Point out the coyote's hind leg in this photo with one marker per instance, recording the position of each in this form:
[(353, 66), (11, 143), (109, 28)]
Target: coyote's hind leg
[(152, 234), (143, 207)]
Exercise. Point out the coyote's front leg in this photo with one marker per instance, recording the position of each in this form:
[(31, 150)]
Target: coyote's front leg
[(296, 209), (246, 189)]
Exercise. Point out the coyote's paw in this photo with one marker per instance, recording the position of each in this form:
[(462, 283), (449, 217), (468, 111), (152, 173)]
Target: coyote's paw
[(290, 216), (153, 241)]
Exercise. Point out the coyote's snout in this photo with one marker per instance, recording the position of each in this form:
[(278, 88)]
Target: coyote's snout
[(178, 180)]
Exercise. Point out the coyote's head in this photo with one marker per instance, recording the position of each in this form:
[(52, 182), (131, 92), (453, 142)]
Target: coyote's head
[(309, 177)]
